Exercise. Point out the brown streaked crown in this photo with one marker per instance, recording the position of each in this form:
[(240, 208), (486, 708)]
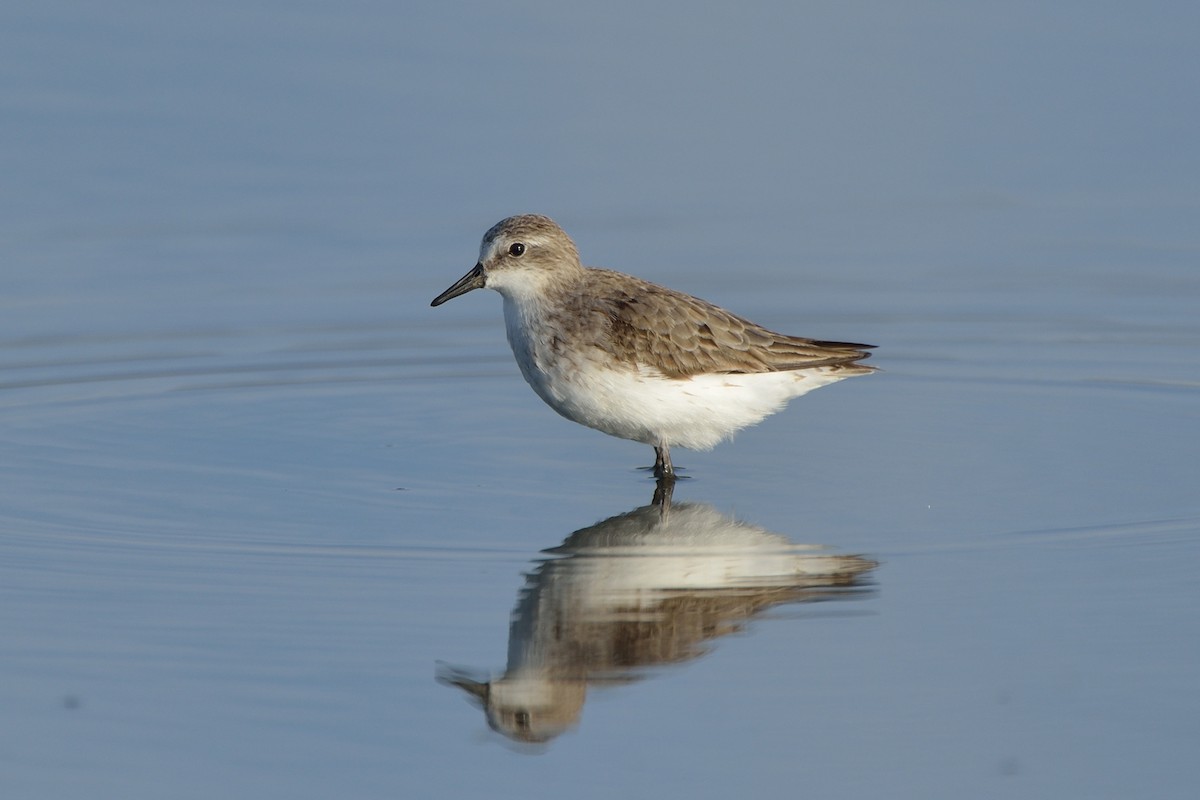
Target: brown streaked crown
[(547, 245)]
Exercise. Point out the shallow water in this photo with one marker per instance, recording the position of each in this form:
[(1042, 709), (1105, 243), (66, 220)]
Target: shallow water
[(272, 526)]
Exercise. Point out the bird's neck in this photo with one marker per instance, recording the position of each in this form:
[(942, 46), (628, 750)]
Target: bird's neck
[(531, 300)]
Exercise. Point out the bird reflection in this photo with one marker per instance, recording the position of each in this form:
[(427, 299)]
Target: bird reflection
[(648, 588)]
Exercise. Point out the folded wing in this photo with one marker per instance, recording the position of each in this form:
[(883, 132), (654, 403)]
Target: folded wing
[(680, 335)]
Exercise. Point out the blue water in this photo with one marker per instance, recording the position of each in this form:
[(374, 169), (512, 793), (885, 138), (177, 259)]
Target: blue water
[(257, 496)]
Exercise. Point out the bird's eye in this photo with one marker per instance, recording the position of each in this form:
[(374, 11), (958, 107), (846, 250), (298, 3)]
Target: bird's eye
[(516, 249)]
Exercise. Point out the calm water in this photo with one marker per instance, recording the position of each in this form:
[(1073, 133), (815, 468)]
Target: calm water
[(270, 526)]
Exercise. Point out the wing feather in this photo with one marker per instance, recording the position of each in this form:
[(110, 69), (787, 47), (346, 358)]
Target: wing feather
[(653, 327)]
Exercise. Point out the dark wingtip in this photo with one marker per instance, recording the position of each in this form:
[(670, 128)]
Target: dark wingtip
[(845, 345)]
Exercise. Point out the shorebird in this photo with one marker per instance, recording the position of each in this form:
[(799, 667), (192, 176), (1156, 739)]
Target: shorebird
[(637, 360)]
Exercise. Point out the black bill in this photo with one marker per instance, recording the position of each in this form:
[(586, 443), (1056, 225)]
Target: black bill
[(472, 280)]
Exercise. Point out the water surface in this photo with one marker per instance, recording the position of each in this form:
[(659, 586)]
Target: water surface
[(258, 497)]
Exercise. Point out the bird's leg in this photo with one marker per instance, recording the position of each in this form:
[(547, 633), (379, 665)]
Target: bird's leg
[(662, 462), (663, 490)]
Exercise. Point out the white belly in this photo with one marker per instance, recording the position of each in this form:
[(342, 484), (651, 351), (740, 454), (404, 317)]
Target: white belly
[(642, 405)]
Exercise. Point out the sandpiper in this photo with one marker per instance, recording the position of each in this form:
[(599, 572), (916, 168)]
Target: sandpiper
[(634, 359)]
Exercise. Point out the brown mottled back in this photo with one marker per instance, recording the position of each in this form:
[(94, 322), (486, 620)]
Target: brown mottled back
[(641, 323)]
